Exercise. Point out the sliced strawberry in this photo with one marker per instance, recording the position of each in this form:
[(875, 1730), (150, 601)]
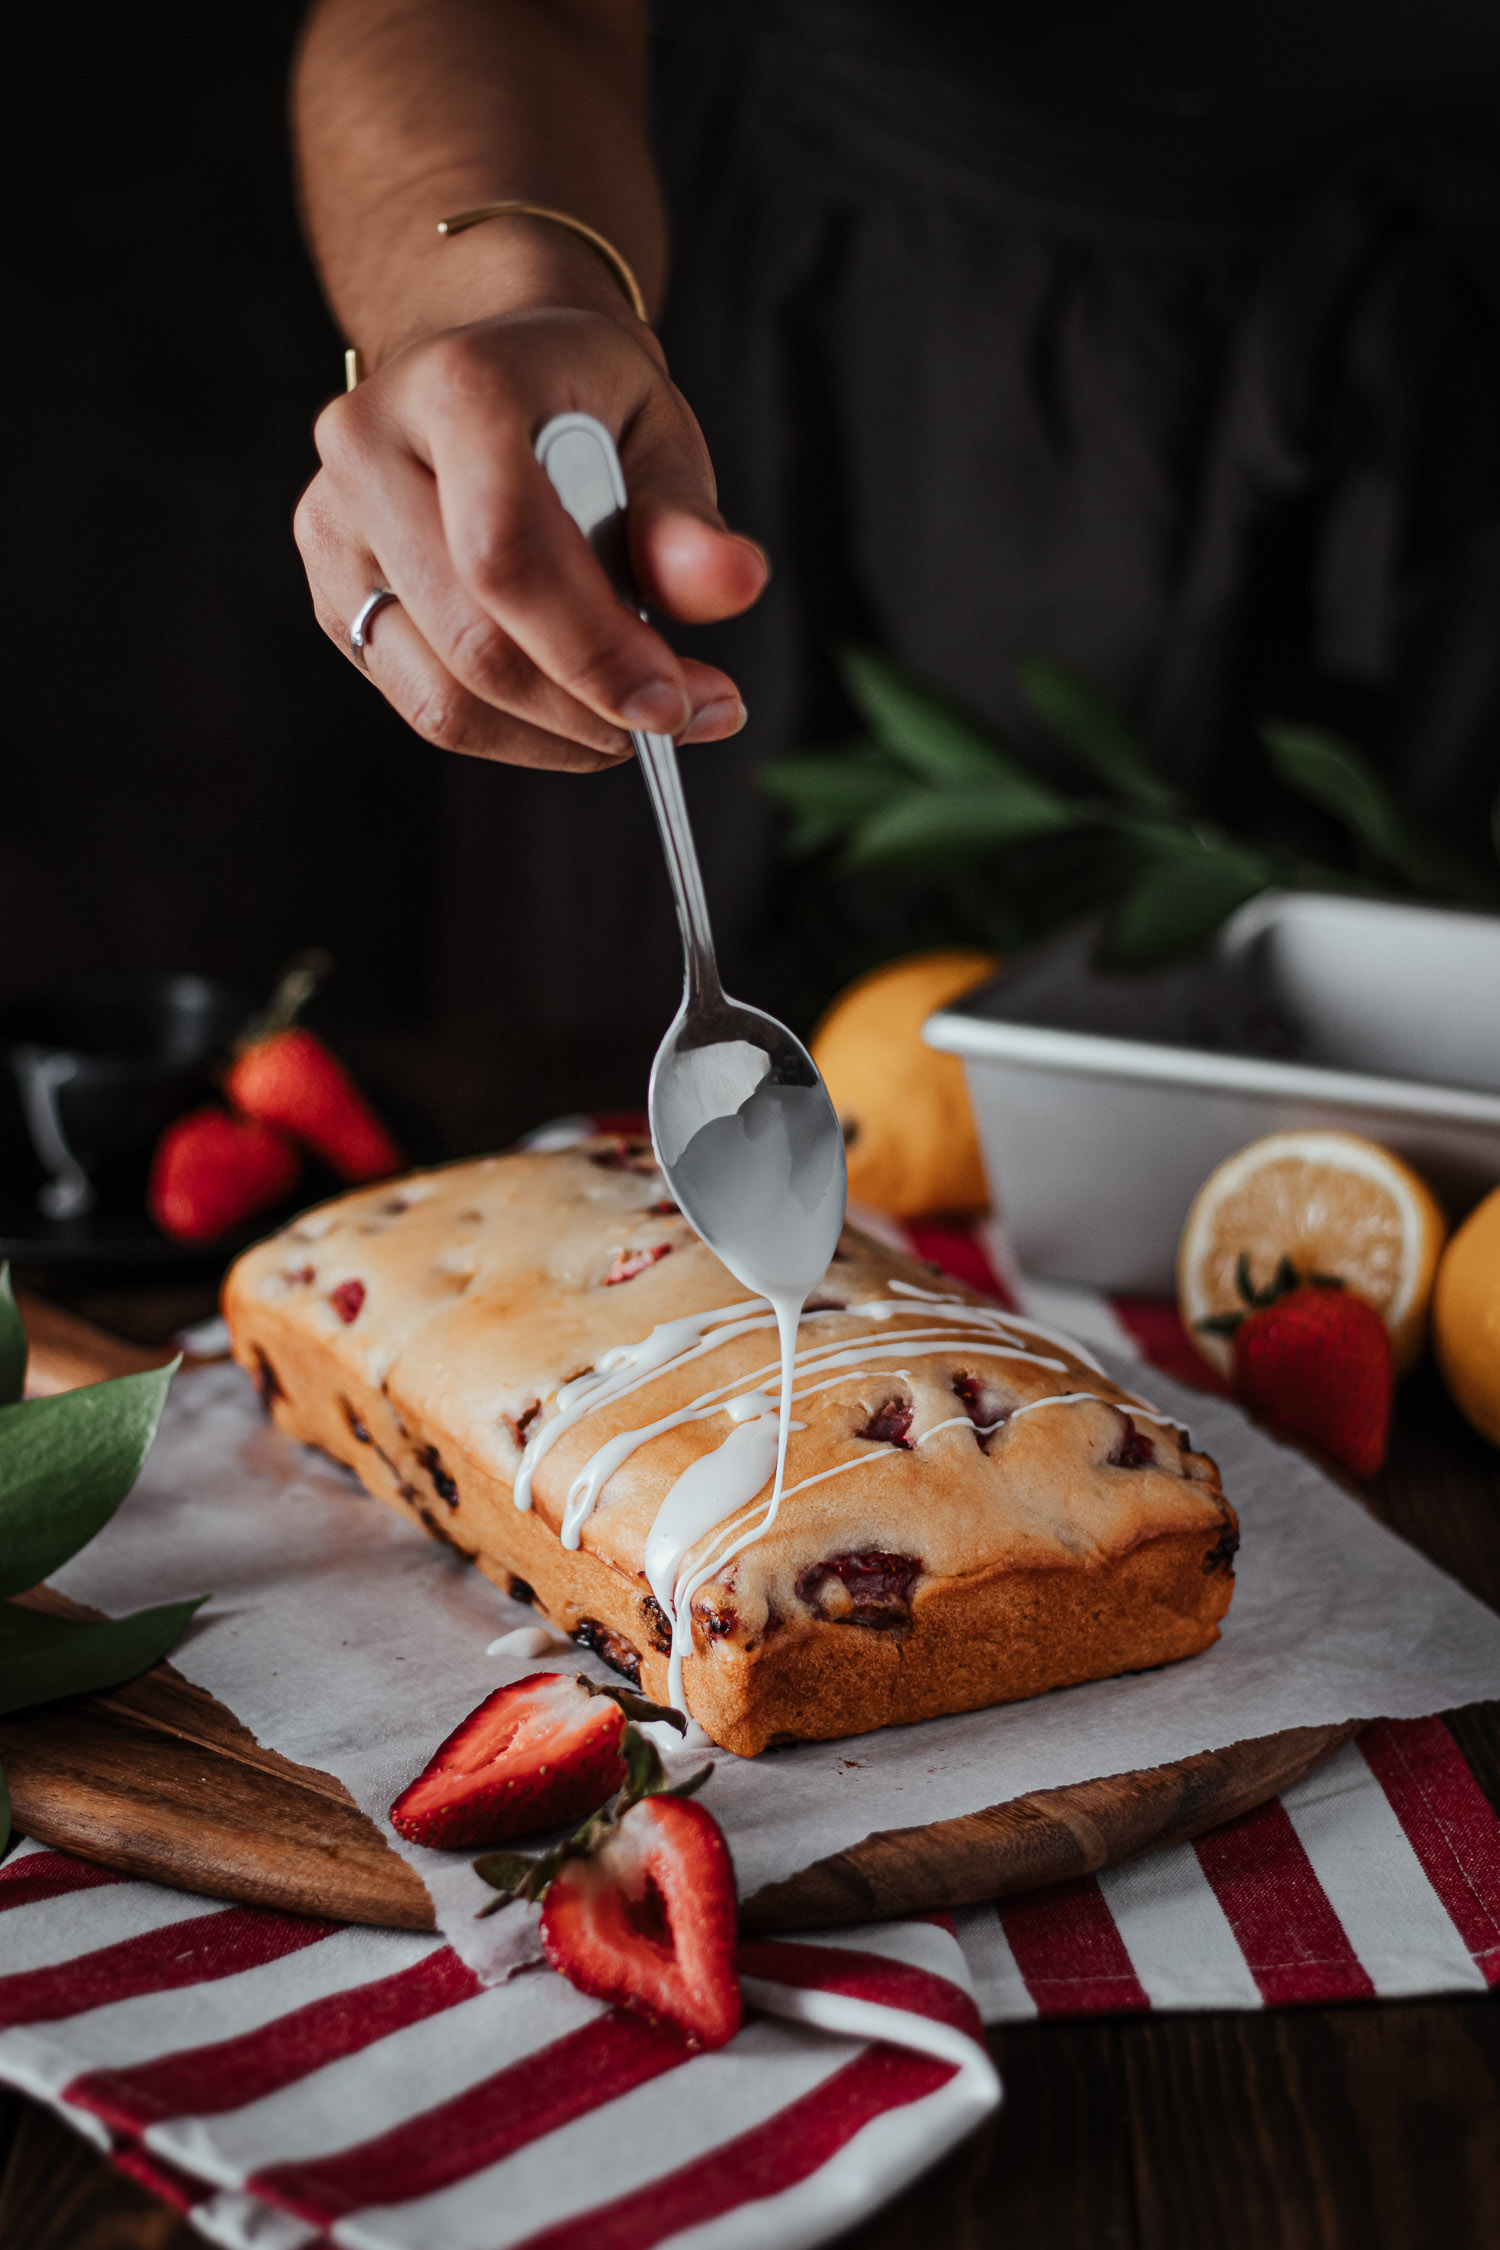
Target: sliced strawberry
[(649, 1920), (211, 1172), (292, 1081), (535, 1755)]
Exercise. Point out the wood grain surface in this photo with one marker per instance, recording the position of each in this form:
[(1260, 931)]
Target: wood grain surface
[(160, 1780), (1370, 2126), (1047, 1837)]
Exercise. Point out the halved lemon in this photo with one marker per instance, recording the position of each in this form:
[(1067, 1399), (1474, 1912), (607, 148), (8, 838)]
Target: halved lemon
[(1332, 1204)]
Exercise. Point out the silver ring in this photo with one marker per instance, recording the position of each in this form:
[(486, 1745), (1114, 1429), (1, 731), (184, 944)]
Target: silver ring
[(359, 628)]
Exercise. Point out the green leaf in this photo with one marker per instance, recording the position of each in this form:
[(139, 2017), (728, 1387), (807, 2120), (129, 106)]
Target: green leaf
[(931, 823), (916, 726), (1333, 775), (1176, 901), (827, 791), (43, 1657), (66, 1463), (1091, 726), (842, 782), (510, 1873), (645, 1775), (12, 1343)]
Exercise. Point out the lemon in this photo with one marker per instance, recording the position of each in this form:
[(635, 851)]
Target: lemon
[(905, 1110), (1466, 1317), (1331, 1203)]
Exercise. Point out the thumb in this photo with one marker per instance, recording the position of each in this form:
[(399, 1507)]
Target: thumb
[(687, 562)]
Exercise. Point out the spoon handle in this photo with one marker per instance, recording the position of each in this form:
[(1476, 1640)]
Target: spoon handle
[(579, 458), (657, 754)]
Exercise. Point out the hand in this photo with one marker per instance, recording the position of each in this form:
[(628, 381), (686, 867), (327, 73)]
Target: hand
[(509, 642)]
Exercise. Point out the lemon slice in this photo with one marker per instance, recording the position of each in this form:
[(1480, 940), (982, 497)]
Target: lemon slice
[(1331, 1203)]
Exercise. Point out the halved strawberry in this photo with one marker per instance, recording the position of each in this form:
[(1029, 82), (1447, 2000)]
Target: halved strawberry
[(535, 1755), (649, 1919)]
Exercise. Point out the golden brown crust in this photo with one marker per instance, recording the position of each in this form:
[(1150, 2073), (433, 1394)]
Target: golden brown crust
[(419, 1330)]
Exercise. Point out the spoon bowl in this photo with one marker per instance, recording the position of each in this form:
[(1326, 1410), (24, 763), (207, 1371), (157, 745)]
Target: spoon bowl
[(749, 1143)]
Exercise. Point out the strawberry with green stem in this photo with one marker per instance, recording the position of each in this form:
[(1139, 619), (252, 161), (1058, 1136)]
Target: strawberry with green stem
[(638, 1906), (283, 1075), (1313, 1357)]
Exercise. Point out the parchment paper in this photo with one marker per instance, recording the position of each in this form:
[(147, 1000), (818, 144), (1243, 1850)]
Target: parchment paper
[(347, 1640)]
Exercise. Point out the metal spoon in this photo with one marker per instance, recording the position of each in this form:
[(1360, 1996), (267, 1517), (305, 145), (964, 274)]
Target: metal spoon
[(765, 1185)]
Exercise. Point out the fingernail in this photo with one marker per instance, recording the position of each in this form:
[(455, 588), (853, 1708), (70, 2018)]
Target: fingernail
[(714, 721), (656, 708), (757, 550)]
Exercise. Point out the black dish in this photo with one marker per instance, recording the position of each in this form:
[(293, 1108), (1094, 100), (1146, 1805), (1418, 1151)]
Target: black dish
[(113, 1061)]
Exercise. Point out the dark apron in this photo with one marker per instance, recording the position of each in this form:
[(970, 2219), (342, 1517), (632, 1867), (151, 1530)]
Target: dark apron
[(1207, 406)]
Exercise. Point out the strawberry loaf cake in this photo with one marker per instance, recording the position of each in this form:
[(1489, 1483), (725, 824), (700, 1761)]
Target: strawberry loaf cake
[(535, 1358)]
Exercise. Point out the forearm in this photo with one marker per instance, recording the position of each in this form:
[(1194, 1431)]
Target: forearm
[(406, 110)]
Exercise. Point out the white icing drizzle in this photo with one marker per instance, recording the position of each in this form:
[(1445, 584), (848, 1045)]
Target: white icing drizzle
[(588, 1485), (962, 1422), (714, 1490), (527, 1640), (935, 1304), (1054, 1398), (672, 1343)]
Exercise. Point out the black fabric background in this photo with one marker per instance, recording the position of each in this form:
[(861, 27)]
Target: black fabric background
[(194, 779)]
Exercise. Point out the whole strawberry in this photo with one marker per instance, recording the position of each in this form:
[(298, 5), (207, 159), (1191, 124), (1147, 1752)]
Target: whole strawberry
[(211, 1172), (285, 1076), (1315, 1359)]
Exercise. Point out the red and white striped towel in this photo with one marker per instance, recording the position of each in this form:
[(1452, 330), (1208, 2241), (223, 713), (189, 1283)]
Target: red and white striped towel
[(290, 2081), (1376, 1877)]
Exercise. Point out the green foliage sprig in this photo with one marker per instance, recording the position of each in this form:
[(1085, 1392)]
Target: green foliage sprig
[(925, 792), (66, 1463)]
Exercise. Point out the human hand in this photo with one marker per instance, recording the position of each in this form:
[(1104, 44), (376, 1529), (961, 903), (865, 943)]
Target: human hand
[(508, 642)]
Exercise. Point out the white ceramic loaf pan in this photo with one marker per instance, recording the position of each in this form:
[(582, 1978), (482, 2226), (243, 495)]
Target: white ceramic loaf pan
[(1103, 1101)]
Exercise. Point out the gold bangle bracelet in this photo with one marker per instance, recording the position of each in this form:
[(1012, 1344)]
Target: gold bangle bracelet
[(618, 265)]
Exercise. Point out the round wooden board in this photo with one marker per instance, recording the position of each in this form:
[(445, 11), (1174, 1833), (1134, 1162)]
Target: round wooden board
[(158, 1779)]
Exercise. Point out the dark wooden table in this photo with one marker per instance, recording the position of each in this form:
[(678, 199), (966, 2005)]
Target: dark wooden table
[(1370, 2126)]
